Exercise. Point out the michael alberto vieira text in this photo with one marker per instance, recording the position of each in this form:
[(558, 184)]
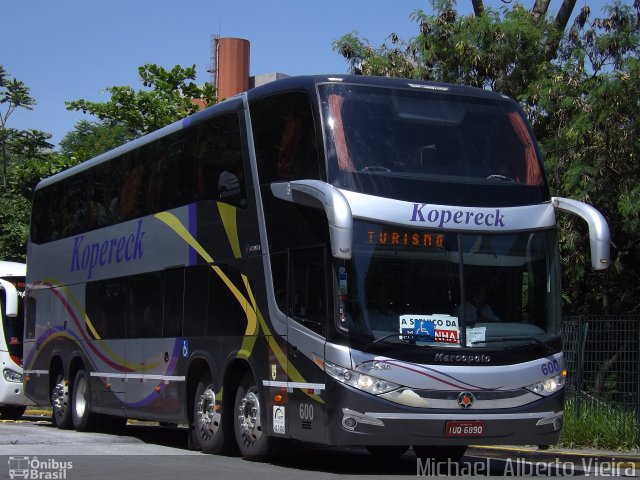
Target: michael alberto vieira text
[(520, 467)]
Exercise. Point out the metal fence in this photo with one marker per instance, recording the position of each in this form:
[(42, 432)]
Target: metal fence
[(603, 371)]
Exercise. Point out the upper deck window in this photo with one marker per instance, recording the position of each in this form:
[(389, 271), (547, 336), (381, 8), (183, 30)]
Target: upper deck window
[(285, 138), (381, 140)]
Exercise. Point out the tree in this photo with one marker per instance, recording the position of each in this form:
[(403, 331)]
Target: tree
[(498, 50), (31, 160), (168, 96), (90, 139), (13, 95), (585, 111)]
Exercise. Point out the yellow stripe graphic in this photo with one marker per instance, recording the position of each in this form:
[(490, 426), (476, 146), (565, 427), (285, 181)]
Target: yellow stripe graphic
[(228, 216), (173, 222), (250, 308)]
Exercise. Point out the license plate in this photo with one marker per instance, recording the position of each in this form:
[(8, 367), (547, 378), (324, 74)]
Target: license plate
[(465, 429)]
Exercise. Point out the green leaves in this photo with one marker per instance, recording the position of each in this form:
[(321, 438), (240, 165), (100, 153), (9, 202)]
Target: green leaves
[(588, 122), (13, 95), (90, 139), (497, 50), (168, 96)]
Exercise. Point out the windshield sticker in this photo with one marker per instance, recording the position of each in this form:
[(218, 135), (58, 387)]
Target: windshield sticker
[(429, 328), (475, 335)]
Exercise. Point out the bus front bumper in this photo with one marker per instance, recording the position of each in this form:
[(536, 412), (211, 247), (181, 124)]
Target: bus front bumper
[(361, 419)]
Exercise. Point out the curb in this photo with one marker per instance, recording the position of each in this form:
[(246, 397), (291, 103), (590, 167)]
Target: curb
[(631, 459)]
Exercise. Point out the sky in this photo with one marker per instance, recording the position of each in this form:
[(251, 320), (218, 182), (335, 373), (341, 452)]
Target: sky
[(74, 49)]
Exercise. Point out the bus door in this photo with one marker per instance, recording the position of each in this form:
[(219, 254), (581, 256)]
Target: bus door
[(308, 317), (105, 304), (149, 355)]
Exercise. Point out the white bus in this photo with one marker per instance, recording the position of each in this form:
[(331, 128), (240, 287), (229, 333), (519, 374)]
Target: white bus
[(12, 284), (332, 259)]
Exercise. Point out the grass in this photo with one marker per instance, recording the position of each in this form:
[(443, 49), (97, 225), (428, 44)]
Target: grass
[(600, 426)]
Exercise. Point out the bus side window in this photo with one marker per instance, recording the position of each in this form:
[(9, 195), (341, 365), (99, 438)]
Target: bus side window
[(226, 315), (285, 138), (219, 163), (308, 287), (279, 272), (30, 321), (174, 170), (43, 222), (144, 309), (136, 194), (105, 196), (196, 299), (74, 212), (106, 307), (173, 298)]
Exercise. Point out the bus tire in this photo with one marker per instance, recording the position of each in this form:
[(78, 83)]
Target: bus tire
[(440, 453), (212, 428), (82, 416), (60, 401), (12, 412), (251, 437)]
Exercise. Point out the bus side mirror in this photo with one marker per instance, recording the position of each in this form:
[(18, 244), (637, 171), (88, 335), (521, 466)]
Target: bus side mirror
[(11, 298), (599, 237), (317, 194)]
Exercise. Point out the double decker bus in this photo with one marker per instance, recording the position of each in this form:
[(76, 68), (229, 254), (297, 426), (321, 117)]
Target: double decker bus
[(13, 402), (307, 261)]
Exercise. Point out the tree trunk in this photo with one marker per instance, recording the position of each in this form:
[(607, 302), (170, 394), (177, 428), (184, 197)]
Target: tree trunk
[(541, 7), (564, 14), (3, 139), (561, 21), (478, 7)]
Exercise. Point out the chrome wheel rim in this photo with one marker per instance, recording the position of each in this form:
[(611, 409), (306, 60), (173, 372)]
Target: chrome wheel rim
[(207, 417), (249, 417), (60, 398)]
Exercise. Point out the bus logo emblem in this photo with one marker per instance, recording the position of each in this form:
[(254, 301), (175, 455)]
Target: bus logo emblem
[(466, 399)]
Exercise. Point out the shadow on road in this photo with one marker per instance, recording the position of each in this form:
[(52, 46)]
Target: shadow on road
[(319, 458)]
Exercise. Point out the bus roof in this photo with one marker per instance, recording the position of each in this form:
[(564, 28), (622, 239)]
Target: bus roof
[(309, 81), (12, 269), (303, 82)]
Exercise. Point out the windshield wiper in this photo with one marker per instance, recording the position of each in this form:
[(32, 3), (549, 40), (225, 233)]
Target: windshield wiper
[(404, 339), (546, 349)]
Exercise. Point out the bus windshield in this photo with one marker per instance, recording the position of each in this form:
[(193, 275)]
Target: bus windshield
[(435, 288), (411, 144)]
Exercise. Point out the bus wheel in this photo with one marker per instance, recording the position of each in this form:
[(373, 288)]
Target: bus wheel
[(390, 451), (440, 453), (11, 412), (211, 429), (250, 435), (83, 418), (61, 415)]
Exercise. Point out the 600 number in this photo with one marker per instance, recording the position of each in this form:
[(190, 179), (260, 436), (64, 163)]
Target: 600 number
[(306, 411), (550, 367)]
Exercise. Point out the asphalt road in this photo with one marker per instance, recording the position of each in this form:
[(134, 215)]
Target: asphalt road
[(33, 448)]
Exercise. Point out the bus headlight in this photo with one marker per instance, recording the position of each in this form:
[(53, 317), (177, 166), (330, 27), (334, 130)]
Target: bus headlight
[(363, 382), (548, 385), (11, 376)]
